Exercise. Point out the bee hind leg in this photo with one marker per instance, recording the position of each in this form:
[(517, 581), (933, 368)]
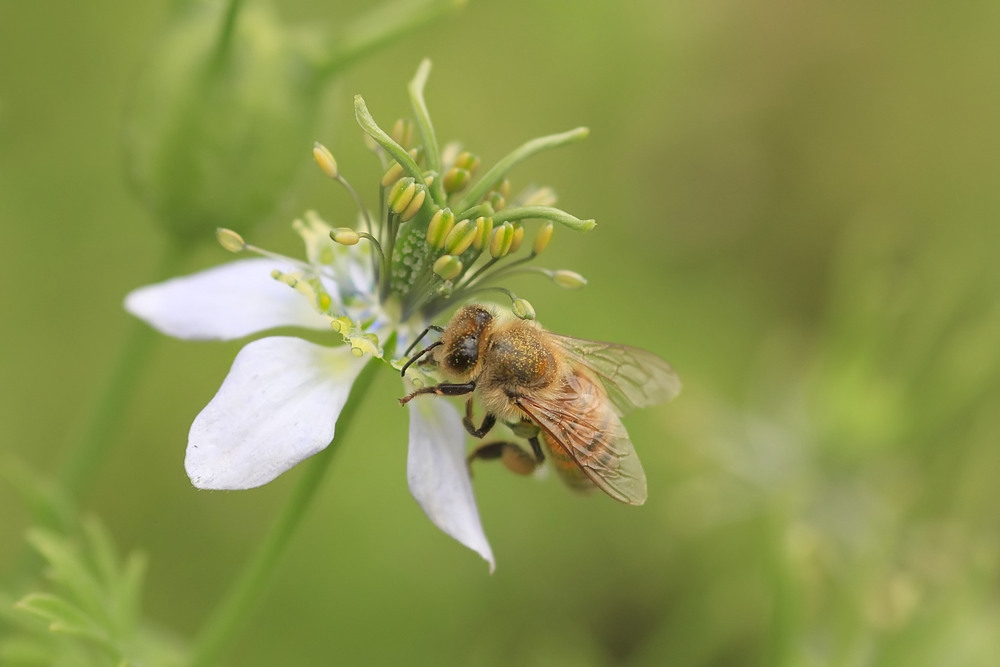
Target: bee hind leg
[(511, 454)]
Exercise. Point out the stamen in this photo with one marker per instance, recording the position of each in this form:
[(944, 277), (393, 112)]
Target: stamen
[(448, 267), (402, 194), (441, 224), (460, 237), (568, 279), (518, 237), (414, 206), (543, 238), (501, 240), (484, 228), (456, 179), (392, 174), (345, 236), (324, 158), (230, 240)]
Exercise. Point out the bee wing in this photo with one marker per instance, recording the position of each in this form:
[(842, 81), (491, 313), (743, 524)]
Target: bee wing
[(632, 377), (579, 420)]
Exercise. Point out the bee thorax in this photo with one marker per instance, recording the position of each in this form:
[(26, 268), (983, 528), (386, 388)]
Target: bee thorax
[(520, 359)]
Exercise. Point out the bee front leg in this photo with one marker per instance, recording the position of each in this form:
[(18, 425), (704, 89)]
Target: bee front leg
[(489, 421), (443, 389)]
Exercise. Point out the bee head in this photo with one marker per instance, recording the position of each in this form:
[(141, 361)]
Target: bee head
[(459, 352)]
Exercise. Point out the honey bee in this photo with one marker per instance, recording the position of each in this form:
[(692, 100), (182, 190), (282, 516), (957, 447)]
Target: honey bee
[(568, 392)]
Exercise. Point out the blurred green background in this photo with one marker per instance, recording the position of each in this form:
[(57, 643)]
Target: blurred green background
[(797, 205)]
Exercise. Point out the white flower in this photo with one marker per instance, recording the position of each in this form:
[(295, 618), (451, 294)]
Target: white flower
[(280, 402), (438, 239)]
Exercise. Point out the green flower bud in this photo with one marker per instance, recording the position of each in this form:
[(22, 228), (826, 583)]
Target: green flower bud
[(216, 128), (448, 267)]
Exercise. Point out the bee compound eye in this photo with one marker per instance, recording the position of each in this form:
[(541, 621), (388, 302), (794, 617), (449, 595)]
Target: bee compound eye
[(464, 354)]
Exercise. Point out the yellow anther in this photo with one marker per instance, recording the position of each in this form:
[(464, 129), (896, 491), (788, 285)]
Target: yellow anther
[(345, 236), (448, 267), (515, 242), (484, 228), (568, 279), (460, 237), (455, 179), (467, 161), (496, 200), (503, 189), (414, 206), (392, 174), (402, 194), (230, 240), (545, 196), (501, 240), (439, 227), (324, 158), (402, 132), (543, 237)]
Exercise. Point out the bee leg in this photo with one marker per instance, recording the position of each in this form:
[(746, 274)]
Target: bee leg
[(443, 389), (489, 421), (537, 450), (511, 454)]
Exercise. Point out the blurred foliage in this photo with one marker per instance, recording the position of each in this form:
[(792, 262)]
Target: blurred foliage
[(794, 204), (94, 616)]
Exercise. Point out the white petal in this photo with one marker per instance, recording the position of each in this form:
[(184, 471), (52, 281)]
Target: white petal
[(438, 475), (224, 302), (278, 405)]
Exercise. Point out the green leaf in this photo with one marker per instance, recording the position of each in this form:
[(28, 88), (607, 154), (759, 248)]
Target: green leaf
[(72, 572), (64, 616)]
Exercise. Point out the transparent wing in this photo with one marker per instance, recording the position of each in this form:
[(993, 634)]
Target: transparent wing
[(579, 420), (632, 377)]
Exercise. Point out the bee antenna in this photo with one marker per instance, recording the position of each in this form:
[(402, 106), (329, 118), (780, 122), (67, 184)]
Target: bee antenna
[(418, 355), (419, 338)]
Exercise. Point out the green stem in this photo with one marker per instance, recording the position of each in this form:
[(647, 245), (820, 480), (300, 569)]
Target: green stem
[(226, 32), (383, 25), (90, 449), (243, 597)]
